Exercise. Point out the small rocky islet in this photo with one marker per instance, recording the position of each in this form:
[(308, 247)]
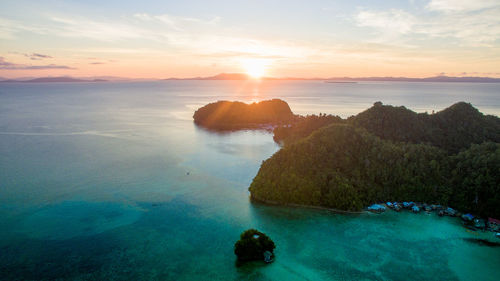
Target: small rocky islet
[(254, 246)]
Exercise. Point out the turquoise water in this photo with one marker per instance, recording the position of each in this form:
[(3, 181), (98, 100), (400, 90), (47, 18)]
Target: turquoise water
[(112, 181)]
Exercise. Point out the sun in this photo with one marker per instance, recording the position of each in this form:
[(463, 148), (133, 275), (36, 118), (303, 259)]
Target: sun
[(255, 68)]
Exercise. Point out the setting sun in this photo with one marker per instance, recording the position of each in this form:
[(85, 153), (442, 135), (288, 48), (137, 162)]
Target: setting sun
[(255, 68)]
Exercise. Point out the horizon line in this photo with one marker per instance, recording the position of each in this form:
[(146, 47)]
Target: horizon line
[(244, 76)]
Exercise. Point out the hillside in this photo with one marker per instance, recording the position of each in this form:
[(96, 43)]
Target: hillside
[(303, 126), (346, 168), (452, 129), (388, 154)]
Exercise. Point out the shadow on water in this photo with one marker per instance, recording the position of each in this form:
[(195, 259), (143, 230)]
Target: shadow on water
[(482, 242), (225, 132), (250, 271), (36, 259)]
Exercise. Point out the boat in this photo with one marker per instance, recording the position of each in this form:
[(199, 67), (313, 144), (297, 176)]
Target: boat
[(436, 207), (467, 217), (397, 206), (376, 208), (450, 212)]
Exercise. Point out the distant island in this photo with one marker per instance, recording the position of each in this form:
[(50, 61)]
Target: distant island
[(242, 76), (232, 115), (221, 76), (352, 80), (52, 80), (386, 153)]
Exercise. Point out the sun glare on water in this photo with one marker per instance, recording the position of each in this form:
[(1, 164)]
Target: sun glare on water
[(255, 68)]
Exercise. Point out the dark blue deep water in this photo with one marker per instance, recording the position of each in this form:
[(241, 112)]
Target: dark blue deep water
[(113, 181)]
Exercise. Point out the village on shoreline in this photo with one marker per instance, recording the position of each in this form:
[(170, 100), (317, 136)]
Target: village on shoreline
[(469, 221)]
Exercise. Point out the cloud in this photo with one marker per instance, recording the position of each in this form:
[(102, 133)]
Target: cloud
[(193, 36), (461, 5), (394, 20), (97, 62), (14, 66), (469, 23), (180, 34), (49, 66), (176, 23), (98, 30), (159, 28), (37, 56), (468, 74), (473, 29), (4, 63), (9, 28), (161, 35)]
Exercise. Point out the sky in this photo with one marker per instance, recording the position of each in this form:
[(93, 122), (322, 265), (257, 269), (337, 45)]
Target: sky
[(313, 38)]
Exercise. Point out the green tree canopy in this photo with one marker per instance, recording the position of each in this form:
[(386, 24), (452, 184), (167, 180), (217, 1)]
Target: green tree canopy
[(252, 245), (347, 166), (227, 115)]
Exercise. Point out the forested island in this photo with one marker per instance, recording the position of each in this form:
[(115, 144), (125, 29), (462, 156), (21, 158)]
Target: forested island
[(229, 115), (386, 153)]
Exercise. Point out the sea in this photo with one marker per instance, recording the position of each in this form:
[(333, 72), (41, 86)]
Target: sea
[(114, 181)]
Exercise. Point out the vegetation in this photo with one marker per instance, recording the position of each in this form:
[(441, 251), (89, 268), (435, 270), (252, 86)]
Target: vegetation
[(453, 129), (303, 127), (476, 179), (227, 115), (388, 154), (346, 168), (252, 245)]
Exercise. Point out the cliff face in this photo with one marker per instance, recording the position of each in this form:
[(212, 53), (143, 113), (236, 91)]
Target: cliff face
[(227, 115)]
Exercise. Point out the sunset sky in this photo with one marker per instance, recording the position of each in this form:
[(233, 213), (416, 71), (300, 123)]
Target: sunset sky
[(160, 39)]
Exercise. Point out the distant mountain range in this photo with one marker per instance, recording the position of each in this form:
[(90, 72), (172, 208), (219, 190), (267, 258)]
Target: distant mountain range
[(427, 79), (242, 76), (52, 80), (221, 76), (66, 79)]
